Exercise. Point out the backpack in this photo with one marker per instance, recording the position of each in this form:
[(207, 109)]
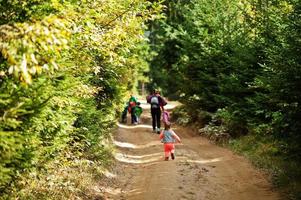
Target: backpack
[(132, 104), (154, 101)]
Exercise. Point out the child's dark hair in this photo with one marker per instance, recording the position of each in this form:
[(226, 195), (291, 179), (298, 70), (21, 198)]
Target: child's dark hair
[(167, 125)]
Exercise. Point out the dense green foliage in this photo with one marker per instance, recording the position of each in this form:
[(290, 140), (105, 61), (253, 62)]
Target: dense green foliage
[(65, 67), (236, 64)]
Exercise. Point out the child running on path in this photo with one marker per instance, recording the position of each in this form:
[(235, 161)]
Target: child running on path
[(169, 137)]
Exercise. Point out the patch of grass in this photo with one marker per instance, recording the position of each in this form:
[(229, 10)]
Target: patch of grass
[(265, 153), (67, 178), (76, 169)]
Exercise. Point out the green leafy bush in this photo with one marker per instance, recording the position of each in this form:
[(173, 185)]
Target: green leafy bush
[(65, 67), (239, 61)]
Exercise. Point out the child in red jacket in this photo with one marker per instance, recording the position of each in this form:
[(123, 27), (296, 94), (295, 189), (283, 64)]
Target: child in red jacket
[(169, 137)]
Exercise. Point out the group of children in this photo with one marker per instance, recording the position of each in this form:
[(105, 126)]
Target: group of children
[(167, 136), (134, 108)]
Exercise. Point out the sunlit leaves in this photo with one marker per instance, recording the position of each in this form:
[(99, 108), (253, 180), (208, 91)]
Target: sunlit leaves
[(31, 48), (64, 69)]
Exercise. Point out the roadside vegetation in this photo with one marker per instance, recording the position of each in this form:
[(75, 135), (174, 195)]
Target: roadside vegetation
[(235, 65), (65, 68)]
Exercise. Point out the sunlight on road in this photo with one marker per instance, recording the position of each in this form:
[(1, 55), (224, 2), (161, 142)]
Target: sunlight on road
[(204, 161), (136, 146), (143, 156), (110, 190), (134, 126), (156, 157), (130, 159), (109, 174)]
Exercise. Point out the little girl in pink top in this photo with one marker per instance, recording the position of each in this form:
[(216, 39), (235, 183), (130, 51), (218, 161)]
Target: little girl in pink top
[(169, 137), (165, 117)]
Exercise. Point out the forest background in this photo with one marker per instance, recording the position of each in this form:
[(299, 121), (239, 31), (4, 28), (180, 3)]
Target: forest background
[(66, 68)]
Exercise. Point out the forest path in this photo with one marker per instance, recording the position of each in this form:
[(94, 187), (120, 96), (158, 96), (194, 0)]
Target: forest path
[(201, 170)]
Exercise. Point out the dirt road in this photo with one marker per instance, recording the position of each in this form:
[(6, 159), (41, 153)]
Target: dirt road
[(201, 170)]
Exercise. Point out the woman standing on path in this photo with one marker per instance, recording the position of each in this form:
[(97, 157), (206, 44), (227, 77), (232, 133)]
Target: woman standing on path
[(157, 102)]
